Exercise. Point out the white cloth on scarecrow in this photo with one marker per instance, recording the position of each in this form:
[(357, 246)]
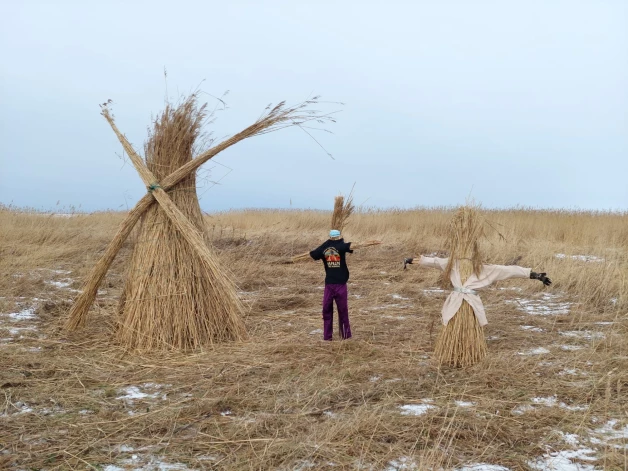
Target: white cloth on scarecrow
[(466, 291)]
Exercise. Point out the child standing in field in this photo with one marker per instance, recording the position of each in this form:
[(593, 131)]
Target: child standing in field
[(333, 253)]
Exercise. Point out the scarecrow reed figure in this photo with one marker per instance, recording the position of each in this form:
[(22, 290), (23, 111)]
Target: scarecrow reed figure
[(461, 341)]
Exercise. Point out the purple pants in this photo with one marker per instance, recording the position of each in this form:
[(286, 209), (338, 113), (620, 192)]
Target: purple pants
[(339, 294)]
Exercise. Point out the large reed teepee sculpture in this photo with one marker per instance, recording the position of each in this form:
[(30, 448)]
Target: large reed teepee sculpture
[(176, 296)]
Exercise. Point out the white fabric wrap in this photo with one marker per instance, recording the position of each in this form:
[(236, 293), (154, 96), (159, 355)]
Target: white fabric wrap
[(488, 275)]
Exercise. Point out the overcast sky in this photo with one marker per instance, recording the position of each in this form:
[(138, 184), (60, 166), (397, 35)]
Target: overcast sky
[(515, 103)]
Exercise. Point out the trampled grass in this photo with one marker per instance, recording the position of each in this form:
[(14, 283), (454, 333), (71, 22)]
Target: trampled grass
[(553, 390)]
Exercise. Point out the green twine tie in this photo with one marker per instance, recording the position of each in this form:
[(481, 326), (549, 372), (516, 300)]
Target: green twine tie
[(152, 187)]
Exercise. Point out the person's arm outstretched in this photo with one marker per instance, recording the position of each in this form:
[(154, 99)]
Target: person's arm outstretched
[(317, 253)]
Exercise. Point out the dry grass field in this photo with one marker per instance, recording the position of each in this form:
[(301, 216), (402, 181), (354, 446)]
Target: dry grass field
[(552, 395)]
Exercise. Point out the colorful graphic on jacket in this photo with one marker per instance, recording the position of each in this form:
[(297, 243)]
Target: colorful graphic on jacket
[(332, 257)]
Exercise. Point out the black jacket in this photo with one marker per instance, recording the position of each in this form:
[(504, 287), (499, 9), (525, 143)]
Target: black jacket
[(333, 252)]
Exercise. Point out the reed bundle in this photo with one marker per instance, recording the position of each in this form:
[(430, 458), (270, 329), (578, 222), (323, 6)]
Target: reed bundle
[(176, 295), (461, 342), (342, 211)]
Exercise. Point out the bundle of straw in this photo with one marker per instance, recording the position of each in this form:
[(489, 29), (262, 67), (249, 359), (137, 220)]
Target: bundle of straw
[(172, 298), (461, 342), (274, 118), (342, 211)]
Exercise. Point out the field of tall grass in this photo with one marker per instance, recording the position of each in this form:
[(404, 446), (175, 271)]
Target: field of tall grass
[(553, 391)]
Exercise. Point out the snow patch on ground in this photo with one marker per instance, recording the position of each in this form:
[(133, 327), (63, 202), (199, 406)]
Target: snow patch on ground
[(547, 305), (140, 463), (398, 296), (535, 351), (570, 438), (394, 317), (388, 306), (56, 272), (464, 403), (316, 331), (417, 409), (611, 432), (571, 348), (551, 401), (303, 465), (572, 372), (23, 315), (59, 284), (124, 448), (17, 323), (433, 291), (563, 461), (583, 334), (404, 463), (17, 330), (133, 393), (20, 408), (581, 258), (483, 467), (531, 328)]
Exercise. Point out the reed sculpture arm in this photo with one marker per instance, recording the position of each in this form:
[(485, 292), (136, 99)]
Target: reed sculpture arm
[(357, 245), (430, 262)]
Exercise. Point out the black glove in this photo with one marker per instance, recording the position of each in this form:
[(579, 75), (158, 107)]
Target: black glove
[(406, 262), (541, 277)]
